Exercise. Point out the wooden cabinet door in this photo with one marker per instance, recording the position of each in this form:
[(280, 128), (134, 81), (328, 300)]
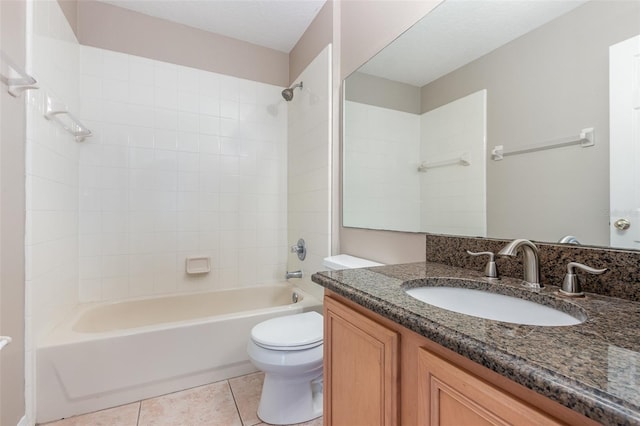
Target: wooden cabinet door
[(361, 369), (450, 396)]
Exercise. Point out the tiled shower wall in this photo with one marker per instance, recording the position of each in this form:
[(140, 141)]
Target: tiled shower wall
[(51, 239), (309, 169), (182, 163), (52, 172)]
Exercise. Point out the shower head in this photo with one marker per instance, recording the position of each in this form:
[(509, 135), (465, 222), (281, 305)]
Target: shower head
[(287, 94)]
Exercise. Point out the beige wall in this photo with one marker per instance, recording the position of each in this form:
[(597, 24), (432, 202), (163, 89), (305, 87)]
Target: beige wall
[(113, 28), (371, 90), (367, 26), (316, 37), (12, 210)]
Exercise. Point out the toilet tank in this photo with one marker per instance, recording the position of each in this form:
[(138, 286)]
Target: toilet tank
[(345, 261)]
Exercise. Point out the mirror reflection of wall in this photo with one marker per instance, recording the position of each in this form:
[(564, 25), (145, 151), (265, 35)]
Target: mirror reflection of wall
[(546, 84), (411, 170), (453, 190)]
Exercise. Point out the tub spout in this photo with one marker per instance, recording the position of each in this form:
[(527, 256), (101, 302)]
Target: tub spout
[(293, 274)]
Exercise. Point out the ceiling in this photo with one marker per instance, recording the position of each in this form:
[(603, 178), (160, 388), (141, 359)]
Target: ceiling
[(458, 32), (276, 24)]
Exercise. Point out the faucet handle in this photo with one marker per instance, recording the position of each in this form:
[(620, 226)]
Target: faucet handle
[(571, 286), (300, 248), (490, 270)]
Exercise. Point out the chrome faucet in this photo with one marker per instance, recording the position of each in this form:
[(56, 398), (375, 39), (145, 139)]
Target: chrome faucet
[(293, 274), (530, 259)]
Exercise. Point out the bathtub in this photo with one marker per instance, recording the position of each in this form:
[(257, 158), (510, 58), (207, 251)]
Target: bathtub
[(110, 354)]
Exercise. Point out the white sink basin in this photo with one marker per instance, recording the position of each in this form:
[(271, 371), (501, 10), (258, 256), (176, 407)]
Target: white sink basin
[(492, 306)]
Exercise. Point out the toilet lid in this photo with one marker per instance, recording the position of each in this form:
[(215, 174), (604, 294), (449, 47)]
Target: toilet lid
[(290, 332)]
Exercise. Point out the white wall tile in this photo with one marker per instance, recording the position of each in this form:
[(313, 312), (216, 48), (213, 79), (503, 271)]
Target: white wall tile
[(91, 61), (90, 245), (163, 187), (188, 102), (114, 288), (165, 75), (166, 98), (141, 70), (116, 66), (115, 90), (166, 119), (209, 125), (189, 79), (140, 115), (141, 94), (188, 142)]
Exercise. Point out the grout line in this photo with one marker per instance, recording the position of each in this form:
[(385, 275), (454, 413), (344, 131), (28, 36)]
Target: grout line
[(139, 412), (235, 403)]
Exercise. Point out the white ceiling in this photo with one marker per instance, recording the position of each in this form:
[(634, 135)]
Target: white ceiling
[(277, 24), (458, 32)]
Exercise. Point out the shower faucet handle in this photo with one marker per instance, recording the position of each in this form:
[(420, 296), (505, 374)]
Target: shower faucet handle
[(300, 248), (490, 271)]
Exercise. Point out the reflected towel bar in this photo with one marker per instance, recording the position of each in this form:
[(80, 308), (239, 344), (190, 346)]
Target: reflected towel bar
[(462, 160), (585, 139)]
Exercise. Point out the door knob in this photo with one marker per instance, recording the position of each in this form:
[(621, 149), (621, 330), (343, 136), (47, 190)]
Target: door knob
[(622, 224)]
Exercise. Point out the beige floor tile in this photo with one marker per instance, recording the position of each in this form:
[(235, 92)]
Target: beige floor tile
[(246, 391), (209, 405), (125, 415)]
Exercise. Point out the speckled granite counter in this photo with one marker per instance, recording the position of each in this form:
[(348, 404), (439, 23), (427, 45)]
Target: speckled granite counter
[(592, 368)]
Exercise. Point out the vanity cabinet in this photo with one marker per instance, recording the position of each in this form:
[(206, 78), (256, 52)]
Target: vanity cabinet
[(451, 396), (362, 358), (377, 372)]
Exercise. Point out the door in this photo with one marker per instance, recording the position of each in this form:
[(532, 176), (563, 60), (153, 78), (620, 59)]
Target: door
[(624, 113), (361, 369), (450, 396)]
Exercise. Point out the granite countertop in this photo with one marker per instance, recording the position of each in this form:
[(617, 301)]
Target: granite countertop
[(592, 368)]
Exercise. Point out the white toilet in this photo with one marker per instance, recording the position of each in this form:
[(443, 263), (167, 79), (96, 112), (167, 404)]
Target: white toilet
[(289, 351)]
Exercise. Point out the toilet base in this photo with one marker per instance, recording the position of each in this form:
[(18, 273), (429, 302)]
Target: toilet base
[(286, 401)]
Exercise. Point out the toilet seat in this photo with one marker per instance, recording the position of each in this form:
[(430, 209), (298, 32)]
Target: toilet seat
[(289, 333)]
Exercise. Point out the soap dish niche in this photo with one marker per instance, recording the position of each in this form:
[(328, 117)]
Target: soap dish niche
[(198, 265)]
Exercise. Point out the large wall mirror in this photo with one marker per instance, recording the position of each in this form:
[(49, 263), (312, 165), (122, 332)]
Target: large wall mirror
[(504, 119)]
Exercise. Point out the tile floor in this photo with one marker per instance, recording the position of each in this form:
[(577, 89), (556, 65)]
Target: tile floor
[(232, 402)]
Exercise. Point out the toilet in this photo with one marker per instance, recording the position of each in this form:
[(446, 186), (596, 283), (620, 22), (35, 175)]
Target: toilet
[(345, 261), (288, 350)]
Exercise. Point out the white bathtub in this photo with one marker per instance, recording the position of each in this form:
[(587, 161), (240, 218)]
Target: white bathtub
[(114, 353)]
